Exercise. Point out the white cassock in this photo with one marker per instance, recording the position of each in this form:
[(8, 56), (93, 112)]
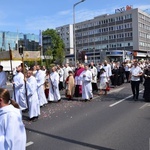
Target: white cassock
[(66, 70), (108, 70), (3, 79), (94, 74), (34, 106), (19, 90), (86, 84), (40, 78), (103, 81), (61, 74), (54, 94), (12, 130)]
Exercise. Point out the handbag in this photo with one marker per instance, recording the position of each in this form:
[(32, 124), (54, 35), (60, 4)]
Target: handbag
[(108, 88)]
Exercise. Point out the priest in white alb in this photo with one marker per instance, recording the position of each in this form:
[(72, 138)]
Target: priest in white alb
[(40, 78), (86, 77), (54, 94)]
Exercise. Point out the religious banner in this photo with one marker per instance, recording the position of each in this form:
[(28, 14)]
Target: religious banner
[(27, 55)]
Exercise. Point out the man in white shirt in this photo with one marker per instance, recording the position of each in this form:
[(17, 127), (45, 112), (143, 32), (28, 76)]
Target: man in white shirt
[(3, 78), (135, 74)]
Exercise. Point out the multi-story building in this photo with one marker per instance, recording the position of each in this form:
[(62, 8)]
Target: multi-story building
[(15, 39), (46, 43), (122, 35), (66, 34)]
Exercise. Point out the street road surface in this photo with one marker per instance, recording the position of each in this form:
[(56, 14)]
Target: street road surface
[(111, 122)]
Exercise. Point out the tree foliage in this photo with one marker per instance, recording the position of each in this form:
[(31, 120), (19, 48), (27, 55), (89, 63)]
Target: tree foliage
[(56, 50)]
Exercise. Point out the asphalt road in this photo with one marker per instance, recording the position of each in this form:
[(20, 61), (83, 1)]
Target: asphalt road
[(111, 122)]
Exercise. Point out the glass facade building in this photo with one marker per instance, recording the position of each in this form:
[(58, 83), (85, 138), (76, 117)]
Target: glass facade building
[(15, 39)]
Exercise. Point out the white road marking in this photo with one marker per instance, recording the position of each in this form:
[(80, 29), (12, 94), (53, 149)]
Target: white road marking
[(122, 100), (29, 143), (145, 105), (95, 97), (116, 90)]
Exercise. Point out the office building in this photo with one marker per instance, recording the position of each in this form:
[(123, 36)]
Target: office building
[(30, 42), (66, 34), (119, 36)]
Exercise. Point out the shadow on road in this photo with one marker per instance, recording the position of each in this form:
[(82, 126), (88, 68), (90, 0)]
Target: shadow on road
[(70, 140)]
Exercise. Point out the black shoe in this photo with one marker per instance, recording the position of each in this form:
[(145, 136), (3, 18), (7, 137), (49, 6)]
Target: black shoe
[(35, 119), (59, 100), (133, 97), (86, 100), (25, 111)]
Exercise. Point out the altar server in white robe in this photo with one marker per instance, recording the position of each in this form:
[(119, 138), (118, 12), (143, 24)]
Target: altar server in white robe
[(108, 69), (3, 78), (19, 89), (54, 94), (93, 70), (34, 106), (40, 78), (12, 130), (86, 77)]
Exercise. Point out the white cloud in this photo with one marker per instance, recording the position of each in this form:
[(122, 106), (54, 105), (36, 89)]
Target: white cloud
[(142, 7), (66, 12), (66, 17), (60, 19)]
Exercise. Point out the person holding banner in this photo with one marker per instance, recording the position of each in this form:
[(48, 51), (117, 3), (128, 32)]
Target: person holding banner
[(19, 89)]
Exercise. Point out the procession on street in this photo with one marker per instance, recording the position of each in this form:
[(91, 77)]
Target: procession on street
[(38, 86)]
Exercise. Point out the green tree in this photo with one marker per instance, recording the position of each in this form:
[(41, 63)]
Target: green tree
[(56, 50)]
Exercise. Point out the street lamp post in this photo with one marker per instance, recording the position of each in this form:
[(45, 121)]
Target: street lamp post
[(74, 36)]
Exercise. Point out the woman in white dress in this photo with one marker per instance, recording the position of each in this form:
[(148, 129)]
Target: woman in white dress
[(103, 82), (12, 130)]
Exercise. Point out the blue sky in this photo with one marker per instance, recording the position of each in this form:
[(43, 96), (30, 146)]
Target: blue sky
[(30, 16)]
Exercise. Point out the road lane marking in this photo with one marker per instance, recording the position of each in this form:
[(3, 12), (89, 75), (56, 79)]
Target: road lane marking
[(112, 90), (122, 100), (145, 105), (95, 97), (29, 143)]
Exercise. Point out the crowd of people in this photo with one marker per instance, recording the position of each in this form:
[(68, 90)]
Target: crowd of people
[(39, 86)]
